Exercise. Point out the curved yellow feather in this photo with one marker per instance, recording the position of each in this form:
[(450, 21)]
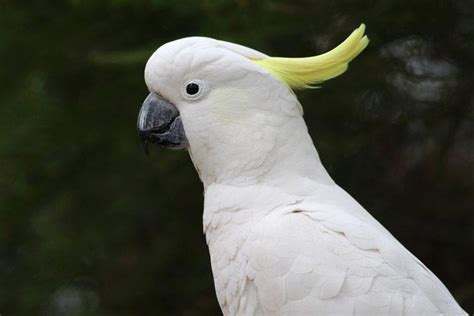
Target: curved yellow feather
[(305, 73)]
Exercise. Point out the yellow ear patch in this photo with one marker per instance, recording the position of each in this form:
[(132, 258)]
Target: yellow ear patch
[(307, 72)]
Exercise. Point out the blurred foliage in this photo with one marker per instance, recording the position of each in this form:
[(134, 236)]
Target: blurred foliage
[(90, 226)]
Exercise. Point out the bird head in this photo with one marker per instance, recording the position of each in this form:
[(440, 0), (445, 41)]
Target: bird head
[(229, 105)]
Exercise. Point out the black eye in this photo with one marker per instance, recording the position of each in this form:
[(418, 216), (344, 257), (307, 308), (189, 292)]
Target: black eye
[(192, 88)]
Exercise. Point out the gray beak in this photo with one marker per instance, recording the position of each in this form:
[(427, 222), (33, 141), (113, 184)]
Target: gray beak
[(159, 123)]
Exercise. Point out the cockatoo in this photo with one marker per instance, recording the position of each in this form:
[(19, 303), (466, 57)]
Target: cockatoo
[(284, 239)]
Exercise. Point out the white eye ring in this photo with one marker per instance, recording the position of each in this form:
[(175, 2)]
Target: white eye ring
[(194, 89)]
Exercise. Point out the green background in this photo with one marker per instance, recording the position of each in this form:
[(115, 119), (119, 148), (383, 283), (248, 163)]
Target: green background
[(90, 226)]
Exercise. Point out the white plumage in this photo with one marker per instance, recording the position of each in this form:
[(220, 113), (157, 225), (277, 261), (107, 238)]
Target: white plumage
[(284, 239)]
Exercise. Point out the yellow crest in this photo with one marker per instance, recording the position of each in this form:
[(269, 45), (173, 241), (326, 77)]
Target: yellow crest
[(305, 73)]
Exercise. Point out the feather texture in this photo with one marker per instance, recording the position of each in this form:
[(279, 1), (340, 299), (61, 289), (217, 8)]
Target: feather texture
[(307, 72), (284, 239), (313, 258)]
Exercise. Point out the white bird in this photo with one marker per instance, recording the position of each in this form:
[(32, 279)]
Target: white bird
[(284, 239)]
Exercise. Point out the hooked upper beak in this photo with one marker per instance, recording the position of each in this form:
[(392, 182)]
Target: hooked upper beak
[(159, 123)]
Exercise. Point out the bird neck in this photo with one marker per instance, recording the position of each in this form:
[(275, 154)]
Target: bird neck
[(284, 156)]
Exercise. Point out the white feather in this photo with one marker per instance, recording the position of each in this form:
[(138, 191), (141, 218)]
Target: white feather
[(284, 239)]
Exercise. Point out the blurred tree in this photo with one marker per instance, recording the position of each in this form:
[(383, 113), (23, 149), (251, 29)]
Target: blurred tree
[(90, 226)]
